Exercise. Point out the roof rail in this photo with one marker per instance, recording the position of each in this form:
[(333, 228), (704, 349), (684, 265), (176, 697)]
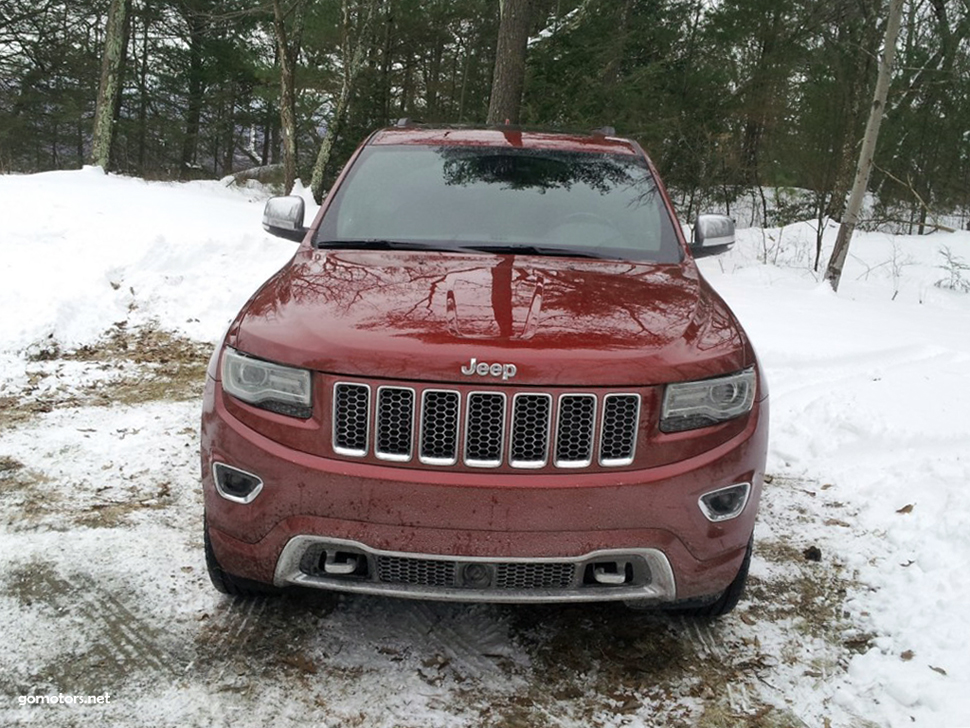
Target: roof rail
[(604, 131)]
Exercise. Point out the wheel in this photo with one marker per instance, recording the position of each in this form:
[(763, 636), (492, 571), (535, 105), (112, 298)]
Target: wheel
[(227, 583), (706, 607), (728, 599)]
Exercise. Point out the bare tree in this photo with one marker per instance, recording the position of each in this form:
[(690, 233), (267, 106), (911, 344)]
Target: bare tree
[(833, 273), (288, 39), (109, 91), (196, 14), (513, 35), (354, 55)]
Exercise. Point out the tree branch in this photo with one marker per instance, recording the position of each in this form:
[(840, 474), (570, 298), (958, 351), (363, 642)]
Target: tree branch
[(919, 198)]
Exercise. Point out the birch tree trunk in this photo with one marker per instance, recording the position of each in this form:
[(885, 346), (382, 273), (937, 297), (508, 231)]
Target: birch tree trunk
[(288, 51), (109, 90), (505, 101), (833, 272), (353, 62)]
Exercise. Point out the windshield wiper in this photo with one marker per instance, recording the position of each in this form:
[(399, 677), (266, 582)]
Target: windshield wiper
[(381, 244), (547, 250)]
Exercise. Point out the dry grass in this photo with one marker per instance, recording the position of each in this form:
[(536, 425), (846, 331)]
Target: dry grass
[(26, 494), (127, 367), (167, 366)]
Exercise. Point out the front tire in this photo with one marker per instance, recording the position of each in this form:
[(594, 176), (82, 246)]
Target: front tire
[(728, 599), (227, 583), (710, 607)]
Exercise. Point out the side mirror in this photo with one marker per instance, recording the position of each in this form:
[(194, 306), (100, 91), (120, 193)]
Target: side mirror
[(712, 231), (283, 217)]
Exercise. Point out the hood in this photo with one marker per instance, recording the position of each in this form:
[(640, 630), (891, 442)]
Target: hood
[(425, 316)]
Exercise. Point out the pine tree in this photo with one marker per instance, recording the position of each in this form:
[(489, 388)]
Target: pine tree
[(506, 100)]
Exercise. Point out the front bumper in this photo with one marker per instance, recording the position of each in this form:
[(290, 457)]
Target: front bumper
[(640, 574), (647, 518)]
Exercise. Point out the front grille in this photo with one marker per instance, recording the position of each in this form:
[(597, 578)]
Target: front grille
[(620, 415), (351, 408), (530, 430), (447, 574), (419, 572), (480, 429), (395, 423), (534, 576), (439, 427)]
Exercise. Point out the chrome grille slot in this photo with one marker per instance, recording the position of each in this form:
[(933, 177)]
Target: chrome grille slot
[(534, 576), (395, 423), (484, 429), (439, 426), (351, 406), (420, 572), (574, 433), (529, 447), (618, 437)]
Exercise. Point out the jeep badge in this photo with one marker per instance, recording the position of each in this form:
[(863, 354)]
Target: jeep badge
[(484, 369)]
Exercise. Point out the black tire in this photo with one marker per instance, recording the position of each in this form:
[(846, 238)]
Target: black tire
[(227, 583), (728, 599)]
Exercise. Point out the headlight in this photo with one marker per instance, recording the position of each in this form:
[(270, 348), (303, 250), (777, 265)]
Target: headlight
[(274, 387), (689, 405)]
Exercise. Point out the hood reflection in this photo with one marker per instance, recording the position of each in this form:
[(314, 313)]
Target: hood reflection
[(549, 301), (343, 307)]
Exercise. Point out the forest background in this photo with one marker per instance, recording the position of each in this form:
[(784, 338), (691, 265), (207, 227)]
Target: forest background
[(729, 97)]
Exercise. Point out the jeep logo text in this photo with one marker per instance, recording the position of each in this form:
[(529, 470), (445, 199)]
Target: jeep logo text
[(484, 369)]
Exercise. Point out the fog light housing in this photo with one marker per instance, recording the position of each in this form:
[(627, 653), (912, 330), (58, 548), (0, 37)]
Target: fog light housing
[(724, 504), (236, 485)]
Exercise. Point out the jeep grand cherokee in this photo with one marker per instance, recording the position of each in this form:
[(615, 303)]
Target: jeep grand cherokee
[(491, 372)]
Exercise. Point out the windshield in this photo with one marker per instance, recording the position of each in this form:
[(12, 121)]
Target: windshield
[(546, 202)]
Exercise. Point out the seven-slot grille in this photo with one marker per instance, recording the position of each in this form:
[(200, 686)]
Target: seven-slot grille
[(484, 429)]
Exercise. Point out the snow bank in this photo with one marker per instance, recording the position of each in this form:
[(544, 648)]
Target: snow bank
[(84, 250), (869, 395)]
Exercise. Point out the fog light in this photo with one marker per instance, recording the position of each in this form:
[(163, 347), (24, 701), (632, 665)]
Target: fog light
[(234, 484), (724, 504)]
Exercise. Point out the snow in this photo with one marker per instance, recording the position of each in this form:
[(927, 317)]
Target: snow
[(869, 408), (99, 249), (869, 394)]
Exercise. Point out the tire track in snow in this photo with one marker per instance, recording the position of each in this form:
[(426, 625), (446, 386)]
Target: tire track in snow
[(793, 380), (232, 635), (131, 641), (472, 639), (112, 642), (703, 636)]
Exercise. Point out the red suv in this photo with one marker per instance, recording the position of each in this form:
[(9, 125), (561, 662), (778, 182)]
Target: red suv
[(491, 372)]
